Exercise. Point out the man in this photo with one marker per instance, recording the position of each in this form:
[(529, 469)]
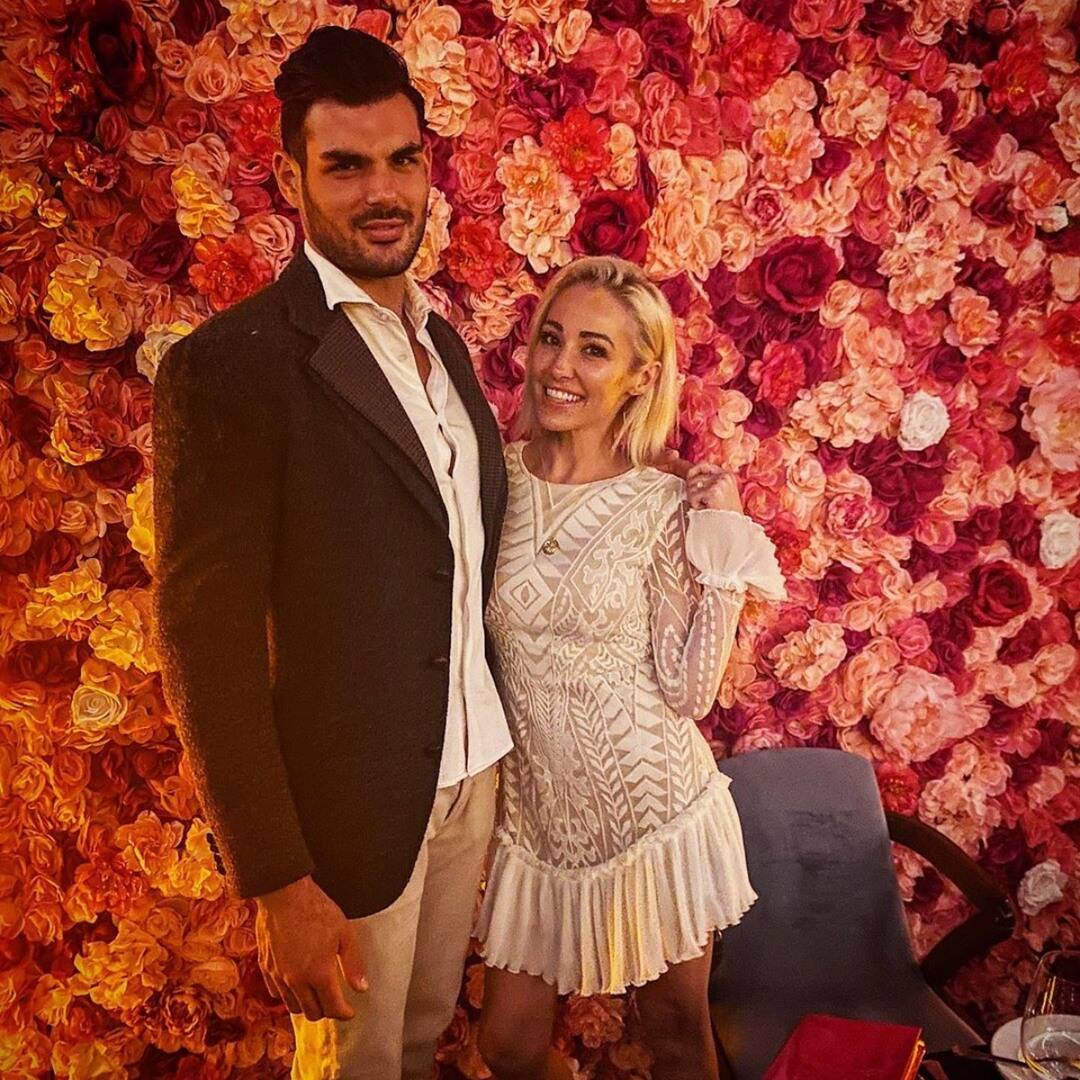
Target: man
[(329, 490)]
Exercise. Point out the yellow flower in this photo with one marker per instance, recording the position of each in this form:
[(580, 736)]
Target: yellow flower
[(18, 193), (75, 596), (90, 299), (122, 973), (141, 530), (9, 308), (195, 874), (121, 636), (202, 207)]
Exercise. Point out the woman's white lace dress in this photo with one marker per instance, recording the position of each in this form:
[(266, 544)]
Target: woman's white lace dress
[(618, 849)]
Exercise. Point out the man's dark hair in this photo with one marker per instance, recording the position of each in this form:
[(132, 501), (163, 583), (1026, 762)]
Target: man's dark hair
[(335, 64)]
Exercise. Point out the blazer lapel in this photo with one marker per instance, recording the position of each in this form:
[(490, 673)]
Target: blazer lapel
[(344, 362)]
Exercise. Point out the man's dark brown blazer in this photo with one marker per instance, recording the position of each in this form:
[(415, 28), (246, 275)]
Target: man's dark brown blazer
[(303, 590)]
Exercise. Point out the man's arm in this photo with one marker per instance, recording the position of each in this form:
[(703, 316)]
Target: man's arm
[(215, 505)]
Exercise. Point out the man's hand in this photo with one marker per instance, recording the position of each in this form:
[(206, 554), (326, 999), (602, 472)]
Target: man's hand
[(709, 487), (305, 947)]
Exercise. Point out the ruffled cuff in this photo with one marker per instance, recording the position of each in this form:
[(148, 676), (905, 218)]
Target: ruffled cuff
[(728, 550)]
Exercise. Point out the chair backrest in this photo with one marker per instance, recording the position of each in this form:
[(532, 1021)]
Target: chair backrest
[(829, 922)]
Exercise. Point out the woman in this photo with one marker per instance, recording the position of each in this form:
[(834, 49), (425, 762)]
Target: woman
[(618, 850)]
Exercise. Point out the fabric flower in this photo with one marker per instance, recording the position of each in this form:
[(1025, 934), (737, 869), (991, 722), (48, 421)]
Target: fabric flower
[(924, 419)]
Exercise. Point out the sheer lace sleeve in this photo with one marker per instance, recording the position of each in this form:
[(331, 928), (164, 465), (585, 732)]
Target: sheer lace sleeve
[(703, 563)]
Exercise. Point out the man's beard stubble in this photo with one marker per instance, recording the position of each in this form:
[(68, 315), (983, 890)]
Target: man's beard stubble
[(345, 252)]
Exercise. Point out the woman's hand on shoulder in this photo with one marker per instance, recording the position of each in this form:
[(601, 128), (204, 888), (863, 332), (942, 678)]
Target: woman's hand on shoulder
[(710, 487)]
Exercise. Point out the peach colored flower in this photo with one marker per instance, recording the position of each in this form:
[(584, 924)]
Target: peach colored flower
[(960, 803), (854, 408), (540, 205), (806, 657), (1052, 416), (438, 65), (528, 12), (914, 140), (436, 237), (975, 323), (922, 714), (275, 237), (1066, 129), (787, 145), (833, 20), (923, 261), (526, 49), (212, 76), (570, 33), (681, 237), (858, 107)]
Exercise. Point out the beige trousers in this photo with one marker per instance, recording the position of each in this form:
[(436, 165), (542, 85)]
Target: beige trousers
[(413, 954)]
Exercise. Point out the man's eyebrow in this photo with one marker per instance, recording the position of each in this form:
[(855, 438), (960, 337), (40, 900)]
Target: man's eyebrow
[(345, 157), (409, 149)]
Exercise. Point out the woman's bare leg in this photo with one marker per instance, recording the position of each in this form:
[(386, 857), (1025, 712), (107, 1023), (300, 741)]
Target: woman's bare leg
[(515, 1027), (674, 1012)]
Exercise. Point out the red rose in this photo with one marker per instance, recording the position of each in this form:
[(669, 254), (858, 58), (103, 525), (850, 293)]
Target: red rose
[(610, 223), (163, 254), (194, 19), (998, 594), (796, 273), (111, 46)]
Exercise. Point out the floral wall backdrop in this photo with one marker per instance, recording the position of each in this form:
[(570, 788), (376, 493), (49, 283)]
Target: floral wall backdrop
[(863, 215)]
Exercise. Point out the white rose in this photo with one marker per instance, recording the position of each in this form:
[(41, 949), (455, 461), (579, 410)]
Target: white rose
[(1060, 539), (923, 421), (94, 710), (1041, 886)]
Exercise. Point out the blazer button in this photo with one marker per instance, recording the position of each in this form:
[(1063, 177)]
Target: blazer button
[(444, 573), (433, 751), (440, 661)]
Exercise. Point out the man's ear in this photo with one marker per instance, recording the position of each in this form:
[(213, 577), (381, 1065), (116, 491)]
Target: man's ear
[(288, 175)]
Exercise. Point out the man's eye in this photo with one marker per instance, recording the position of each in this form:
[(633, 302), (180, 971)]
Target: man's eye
[(411, 159)]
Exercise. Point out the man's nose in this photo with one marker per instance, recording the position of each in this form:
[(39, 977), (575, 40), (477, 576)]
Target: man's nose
[(381, 187)]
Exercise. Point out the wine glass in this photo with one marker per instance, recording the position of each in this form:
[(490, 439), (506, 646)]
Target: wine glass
[(1050, 1031)]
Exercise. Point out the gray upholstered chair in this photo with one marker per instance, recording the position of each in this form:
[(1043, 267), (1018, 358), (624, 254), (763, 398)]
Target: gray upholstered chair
[(828, 932)]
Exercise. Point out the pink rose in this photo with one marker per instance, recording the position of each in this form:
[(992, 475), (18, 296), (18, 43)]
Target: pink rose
[(923, 714)]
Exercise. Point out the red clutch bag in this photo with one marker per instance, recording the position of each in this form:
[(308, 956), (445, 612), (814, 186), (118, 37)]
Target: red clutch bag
[(831, 1048)]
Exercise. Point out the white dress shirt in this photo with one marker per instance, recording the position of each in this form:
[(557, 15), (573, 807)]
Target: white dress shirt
[(477, 734)]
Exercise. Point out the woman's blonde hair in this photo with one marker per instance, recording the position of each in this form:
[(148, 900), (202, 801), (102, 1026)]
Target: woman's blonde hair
[(647, 418)]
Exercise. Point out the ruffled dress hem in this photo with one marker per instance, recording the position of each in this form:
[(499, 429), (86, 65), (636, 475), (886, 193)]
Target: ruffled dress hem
[(603, 929)]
